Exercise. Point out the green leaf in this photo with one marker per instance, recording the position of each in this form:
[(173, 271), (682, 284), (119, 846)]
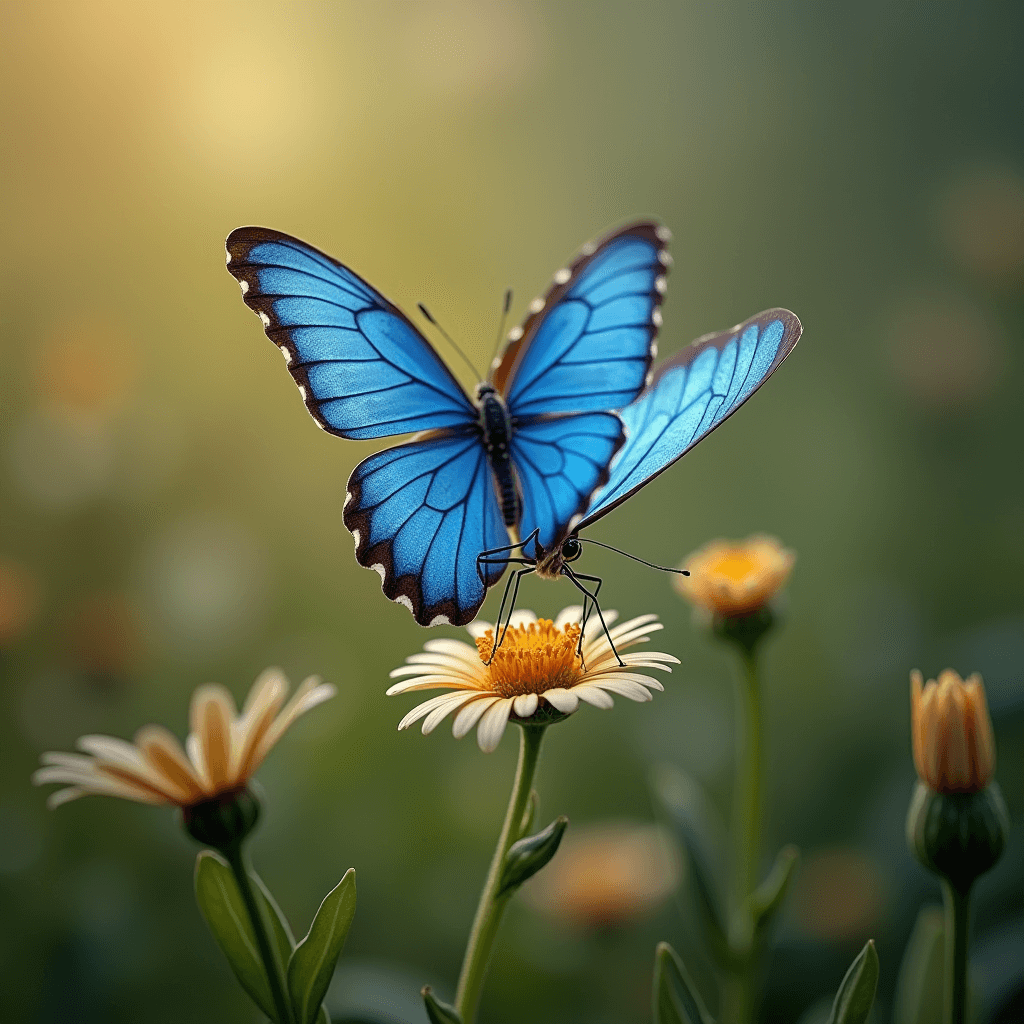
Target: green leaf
[(437, 1011), (683, 801), (767, 899), (525, 858), (919, 991), (676, 1000), (323, 1017), (221, 905), (857, 992), (312, 964)]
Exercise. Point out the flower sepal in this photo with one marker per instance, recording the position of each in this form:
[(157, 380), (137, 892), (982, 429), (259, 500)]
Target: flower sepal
[(223, 821), (438, 1012), (527, 856), (545, 715), (959, 836), (745, 631)]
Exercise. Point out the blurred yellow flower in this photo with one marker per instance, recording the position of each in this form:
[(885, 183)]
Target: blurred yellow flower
[(224, 748), (537, 661), (735, 578), (954, 751), (606, 875)]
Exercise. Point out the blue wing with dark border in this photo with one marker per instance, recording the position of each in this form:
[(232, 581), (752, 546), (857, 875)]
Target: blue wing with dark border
[(560, 462), (588, 344), (691, 394), (421, 513), (362, 367)]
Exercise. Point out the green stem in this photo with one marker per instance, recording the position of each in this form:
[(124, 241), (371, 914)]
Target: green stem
[(237, 859), (738, 995), (492, 906), (958, 913)]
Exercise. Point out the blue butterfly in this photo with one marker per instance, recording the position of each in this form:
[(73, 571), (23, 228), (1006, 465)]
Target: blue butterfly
[(524, 457)]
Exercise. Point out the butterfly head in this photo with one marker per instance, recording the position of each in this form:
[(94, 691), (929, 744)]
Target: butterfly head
[(549, 563), (483, 389)]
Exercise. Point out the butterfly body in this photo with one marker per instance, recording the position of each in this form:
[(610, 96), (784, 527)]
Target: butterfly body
[(496, 428)]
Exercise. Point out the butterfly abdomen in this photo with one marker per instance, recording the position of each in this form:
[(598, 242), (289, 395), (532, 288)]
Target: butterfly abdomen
[(497, 435)]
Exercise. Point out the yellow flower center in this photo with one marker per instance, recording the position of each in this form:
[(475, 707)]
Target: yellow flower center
[(736, 565), (532, 658)]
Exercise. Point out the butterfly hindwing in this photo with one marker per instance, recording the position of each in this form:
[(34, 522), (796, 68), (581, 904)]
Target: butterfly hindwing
[(691, 394), (362, 367), (421, 513), (588, 344), (560, 463)]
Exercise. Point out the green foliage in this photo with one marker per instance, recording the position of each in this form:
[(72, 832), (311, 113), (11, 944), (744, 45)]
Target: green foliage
[(526, 857), (312, 964), (438, 1011), (856, 994), (530, 814), (919, 989), (221, 904), (676, 1000), (681, 798), (767, 899)]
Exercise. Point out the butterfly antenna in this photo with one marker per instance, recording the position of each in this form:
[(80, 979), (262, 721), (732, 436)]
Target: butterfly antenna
[(447, 337), (501, 323), (619, 551)]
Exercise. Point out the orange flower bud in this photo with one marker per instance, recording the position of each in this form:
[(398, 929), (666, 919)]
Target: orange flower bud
[(954, 751)]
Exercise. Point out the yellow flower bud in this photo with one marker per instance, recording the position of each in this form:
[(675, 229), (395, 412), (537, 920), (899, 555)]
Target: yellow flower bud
[(954, 751), (735, 578)]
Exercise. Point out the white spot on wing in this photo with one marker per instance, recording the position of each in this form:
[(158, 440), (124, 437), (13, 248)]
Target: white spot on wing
[(243, 284), (284, 351), (665, 258), (515, 334), (379, 570), (227, 251), (537, 305), (563, 275), (663, 233), (656, 318), (356, 538), (264, 318), (348, 498), (654, 349), (589, 249), (660, 284), (403, 600), (438, 620)]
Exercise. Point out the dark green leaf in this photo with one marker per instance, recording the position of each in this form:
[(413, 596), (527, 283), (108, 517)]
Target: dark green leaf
[(767, 900), (683, 802), (324, 1017), (525, 858), (676, 1000), (919, 991), (857, 992), (437, 1011), (221, 905), (312, 964)]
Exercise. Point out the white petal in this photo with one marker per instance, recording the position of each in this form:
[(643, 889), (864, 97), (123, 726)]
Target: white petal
[(522, 617), (478, 627), (424, 709), (442, 711), (525, 704), (63, 796), (454, 649), (573, 613), (492, 724), (593, 695), (433, 683), (470, 714), (626, 687), (562, 700)]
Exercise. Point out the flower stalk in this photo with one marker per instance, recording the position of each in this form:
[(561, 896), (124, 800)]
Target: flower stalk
[(492, 902)]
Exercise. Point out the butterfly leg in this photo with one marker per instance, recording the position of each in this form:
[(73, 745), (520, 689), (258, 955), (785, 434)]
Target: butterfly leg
[(485, 557), (513, 582), (576, 578)]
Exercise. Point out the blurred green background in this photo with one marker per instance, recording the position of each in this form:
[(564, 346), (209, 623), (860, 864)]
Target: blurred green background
[(171, 515)]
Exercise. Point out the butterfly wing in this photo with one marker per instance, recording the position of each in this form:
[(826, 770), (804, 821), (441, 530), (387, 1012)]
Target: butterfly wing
[(560, 462), (691, 394), (588, 343), (363, 369), (421, 513)]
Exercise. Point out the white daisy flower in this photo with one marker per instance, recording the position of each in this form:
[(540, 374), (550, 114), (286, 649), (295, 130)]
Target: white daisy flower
[(220, 756), (537, 664)]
